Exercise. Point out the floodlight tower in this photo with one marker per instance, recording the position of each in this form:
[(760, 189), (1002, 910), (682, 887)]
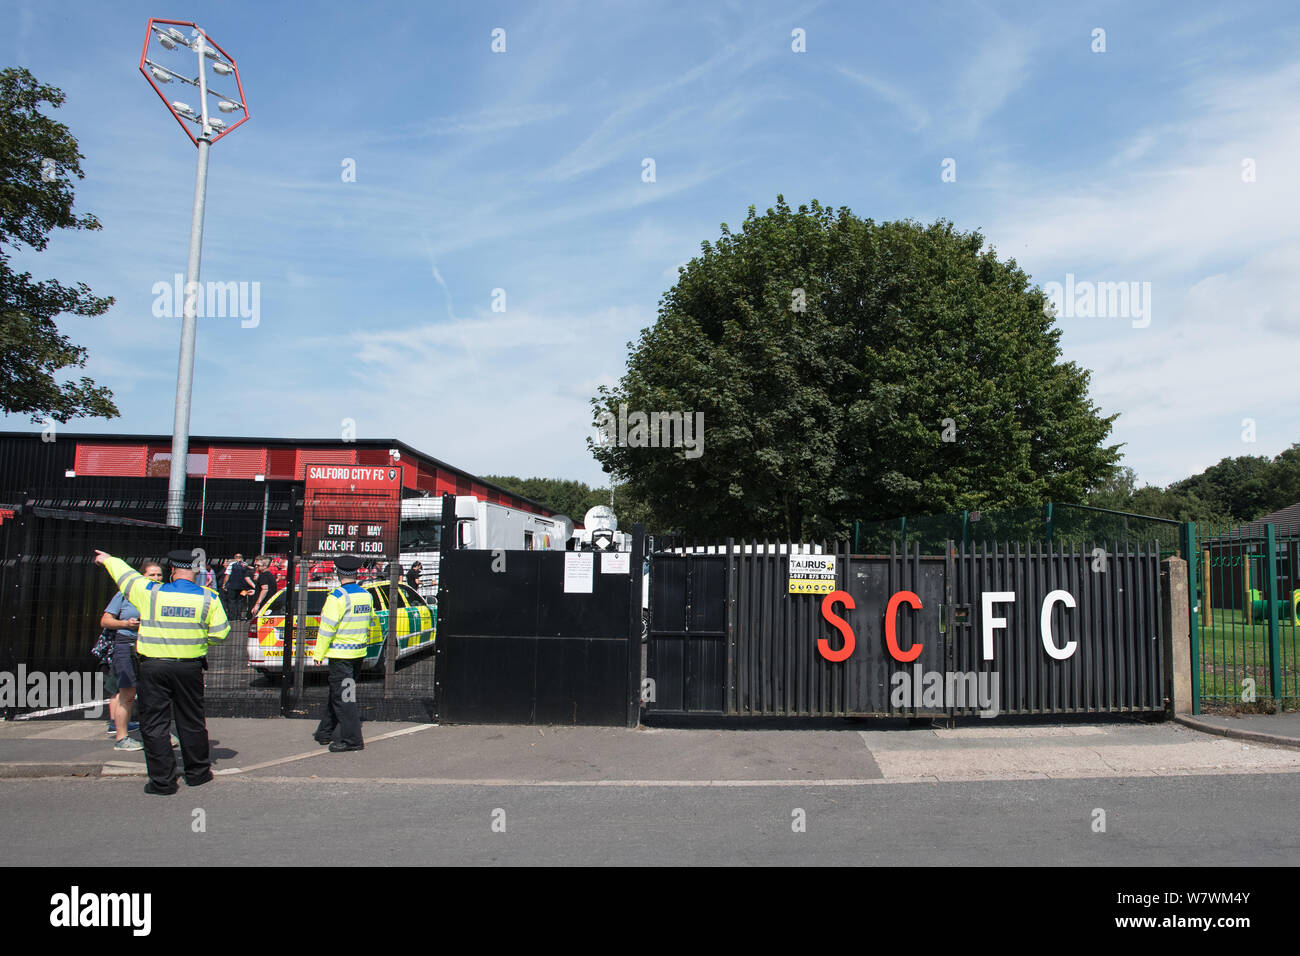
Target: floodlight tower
[(210, 129)]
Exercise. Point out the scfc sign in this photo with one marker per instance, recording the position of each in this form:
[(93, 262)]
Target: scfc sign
[(989, 624)]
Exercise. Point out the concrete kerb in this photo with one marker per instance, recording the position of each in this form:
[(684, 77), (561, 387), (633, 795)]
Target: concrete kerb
[(1254, 736), (9, 771)]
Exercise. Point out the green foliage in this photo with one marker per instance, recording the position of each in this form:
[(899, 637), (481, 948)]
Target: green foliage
[(1238, 487), (571, 498), (818, 417), (1116, 491), (1235, 490), (37, 158)]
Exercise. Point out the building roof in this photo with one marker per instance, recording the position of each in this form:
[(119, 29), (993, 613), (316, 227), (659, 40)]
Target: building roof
[(281, 459), (1286, 520)]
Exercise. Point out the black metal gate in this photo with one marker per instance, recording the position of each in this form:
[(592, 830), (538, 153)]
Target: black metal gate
[(692, 631), (515, 645), (727, 636)]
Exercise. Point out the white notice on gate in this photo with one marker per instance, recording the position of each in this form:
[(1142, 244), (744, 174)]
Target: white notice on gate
[(579, 569), (616, 562)]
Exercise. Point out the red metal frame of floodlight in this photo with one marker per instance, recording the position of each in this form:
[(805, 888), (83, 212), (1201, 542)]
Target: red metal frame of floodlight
[(184, 123)]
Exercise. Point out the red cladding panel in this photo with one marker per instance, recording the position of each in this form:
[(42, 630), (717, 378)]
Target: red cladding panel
[(321, 456), (373, 457), (236, 462), (126, 461), (280, 463)]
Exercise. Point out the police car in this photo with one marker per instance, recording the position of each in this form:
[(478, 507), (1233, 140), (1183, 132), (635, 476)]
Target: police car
[(417, 624)]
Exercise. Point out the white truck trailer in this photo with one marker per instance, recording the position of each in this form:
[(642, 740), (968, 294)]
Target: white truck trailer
[(480, 526)]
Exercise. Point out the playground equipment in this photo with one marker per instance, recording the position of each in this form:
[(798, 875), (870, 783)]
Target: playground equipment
[(1288, 611)]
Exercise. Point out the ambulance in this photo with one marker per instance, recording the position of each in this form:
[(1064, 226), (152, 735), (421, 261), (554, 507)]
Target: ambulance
[(417, 625)]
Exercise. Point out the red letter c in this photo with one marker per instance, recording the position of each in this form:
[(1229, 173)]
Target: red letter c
[(891, 627)]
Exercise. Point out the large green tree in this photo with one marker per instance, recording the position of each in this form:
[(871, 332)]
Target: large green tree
[(1238, 487), (38, 158), (848, 369)]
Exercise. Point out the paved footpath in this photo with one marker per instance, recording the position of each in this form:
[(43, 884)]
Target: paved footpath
[(846, 753)]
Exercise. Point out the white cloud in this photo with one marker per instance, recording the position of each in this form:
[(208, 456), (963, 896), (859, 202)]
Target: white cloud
[(500, 389), (1187, 206), (988, 80), (916, 115), (1220, 254)]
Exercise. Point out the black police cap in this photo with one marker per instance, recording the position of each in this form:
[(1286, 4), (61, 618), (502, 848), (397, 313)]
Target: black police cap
[(346, 563), (183, 558)]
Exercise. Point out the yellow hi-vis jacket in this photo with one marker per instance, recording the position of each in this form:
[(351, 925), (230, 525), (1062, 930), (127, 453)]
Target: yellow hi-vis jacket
[(177, 620), (344, 624)]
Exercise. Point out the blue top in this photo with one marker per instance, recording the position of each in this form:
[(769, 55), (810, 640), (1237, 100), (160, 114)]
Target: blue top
[(123, 610), (184, 587)]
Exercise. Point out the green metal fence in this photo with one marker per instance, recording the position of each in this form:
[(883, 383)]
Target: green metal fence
[(1245, 614), (1050, 524)]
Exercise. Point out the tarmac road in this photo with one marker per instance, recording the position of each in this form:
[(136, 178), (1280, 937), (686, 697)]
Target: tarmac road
[(1164, 821)]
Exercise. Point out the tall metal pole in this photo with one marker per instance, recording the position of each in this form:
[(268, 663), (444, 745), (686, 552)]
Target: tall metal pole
[(185, 372), (266, 505)]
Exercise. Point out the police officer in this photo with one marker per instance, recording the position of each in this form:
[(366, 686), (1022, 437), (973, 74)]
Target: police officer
[(342, 637), (178, 621)]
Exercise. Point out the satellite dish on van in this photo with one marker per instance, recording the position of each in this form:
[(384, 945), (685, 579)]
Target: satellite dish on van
[(600, 518), (565, 526)]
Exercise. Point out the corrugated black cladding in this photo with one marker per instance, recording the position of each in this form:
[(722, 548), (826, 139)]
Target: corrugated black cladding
[(727, 637)]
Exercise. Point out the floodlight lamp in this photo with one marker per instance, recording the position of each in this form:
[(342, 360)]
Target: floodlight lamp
[(166, 41), (222, 68), (182, 108), (177, 36), (162, 76), (227, 107)]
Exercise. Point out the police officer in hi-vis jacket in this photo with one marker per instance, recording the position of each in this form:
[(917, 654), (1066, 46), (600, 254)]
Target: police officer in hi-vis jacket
[(342, 637), (178, 621)]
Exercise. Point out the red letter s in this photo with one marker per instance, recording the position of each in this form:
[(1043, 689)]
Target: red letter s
[(823, 646)]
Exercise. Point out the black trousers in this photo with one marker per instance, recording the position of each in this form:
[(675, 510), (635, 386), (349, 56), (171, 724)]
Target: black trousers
[(170, 688), (235, 604), (342, 720)]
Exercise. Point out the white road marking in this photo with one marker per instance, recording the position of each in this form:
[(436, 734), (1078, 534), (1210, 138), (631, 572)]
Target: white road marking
[(953, 778), (227, 771)]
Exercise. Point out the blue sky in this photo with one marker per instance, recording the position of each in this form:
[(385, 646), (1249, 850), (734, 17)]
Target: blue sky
[(522, 171)]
